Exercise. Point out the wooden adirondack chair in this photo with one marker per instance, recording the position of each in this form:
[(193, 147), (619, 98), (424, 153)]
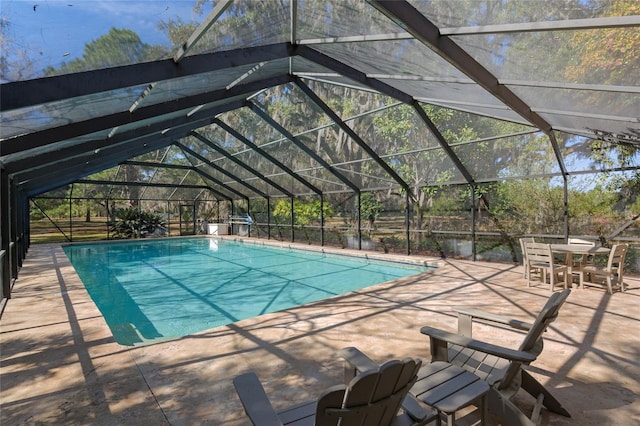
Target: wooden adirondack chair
[(501, 367), (373, 397)]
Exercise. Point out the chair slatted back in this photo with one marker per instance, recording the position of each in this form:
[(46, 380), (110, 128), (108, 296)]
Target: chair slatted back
[(581, 259), (533, 342), (539, 254), (373, 397), (547, 315), (616, 257), (581, 242), (523, 248)]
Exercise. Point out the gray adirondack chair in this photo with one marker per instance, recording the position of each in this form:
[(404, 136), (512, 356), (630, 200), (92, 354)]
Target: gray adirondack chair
[(373, 397), (501, 367)]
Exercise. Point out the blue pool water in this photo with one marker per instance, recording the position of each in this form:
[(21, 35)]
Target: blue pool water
[(156, 290)]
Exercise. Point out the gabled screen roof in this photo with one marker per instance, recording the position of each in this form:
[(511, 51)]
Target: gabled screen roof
[(283, 98)]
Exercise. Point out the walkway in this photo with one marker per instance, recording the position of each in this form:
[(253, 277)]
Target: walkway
[(60, 365)]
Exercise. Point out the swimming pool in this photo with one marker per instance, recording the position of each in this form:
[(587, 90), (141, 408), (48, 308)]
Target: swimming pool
[(155, 290)]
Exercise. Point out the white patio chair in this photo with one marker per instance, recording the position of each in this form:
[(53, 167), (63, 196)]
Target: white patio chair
[(609, 276), (539, 256)]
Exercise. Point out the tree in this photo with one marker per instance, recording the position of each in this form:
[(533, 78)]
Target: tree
[(607, 56), (370, 208), (15, 61), (305, 213), (117, 47), (610, 56)]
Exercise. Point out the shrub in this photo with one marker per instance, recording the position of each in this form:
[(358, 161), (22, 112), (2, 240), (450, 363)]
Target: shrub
[(133, 223)]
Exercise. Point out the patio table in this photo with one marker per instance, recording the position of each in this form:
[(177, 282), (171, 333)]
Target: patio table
[(570, 249)]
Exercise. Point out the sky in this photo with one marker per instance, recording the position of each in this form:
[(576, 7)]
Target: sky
[(54, 31)]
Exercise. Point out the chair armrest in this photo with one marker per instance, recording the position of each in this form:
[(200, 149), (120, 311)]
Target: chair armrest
[(355, 362), (418, 412), (487, 316), (355, 358), (255, 401), (440, 336)]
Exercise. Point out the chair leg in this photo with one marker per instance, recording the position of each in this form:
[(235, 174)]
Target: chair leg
[(552, 280), (507, 411), (451, 419), (439, 419), (529, 278), (534, 388)]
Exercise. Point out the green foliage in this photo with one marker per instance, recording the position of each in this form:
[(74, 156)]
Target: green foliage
[(52, 207), (608, 56), (529, 206), (133, 223), (305, 213), (370, 207)]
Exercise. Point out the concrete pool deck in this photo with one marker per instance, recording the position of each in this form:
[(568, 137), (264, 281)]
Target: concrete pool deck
[(61, 365)]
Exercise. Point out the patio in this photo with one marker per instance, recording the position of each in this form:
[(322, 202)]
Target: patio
[(60, 364)]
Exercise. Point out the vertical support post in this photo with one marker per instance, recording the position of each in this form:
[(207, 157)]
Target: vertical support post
[(27, 224), (139, 207), (26, 231), (321, 220), (5, 215), (473, 221), (359, 232), (233, 212), (13, 229), (22, 225), (566, 208), (195, 220), (407, 220), (202, 227), (16, 225), (268, 218), (169, 217), (70, 215), (108, 213), (292, 229), (248, 214)]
